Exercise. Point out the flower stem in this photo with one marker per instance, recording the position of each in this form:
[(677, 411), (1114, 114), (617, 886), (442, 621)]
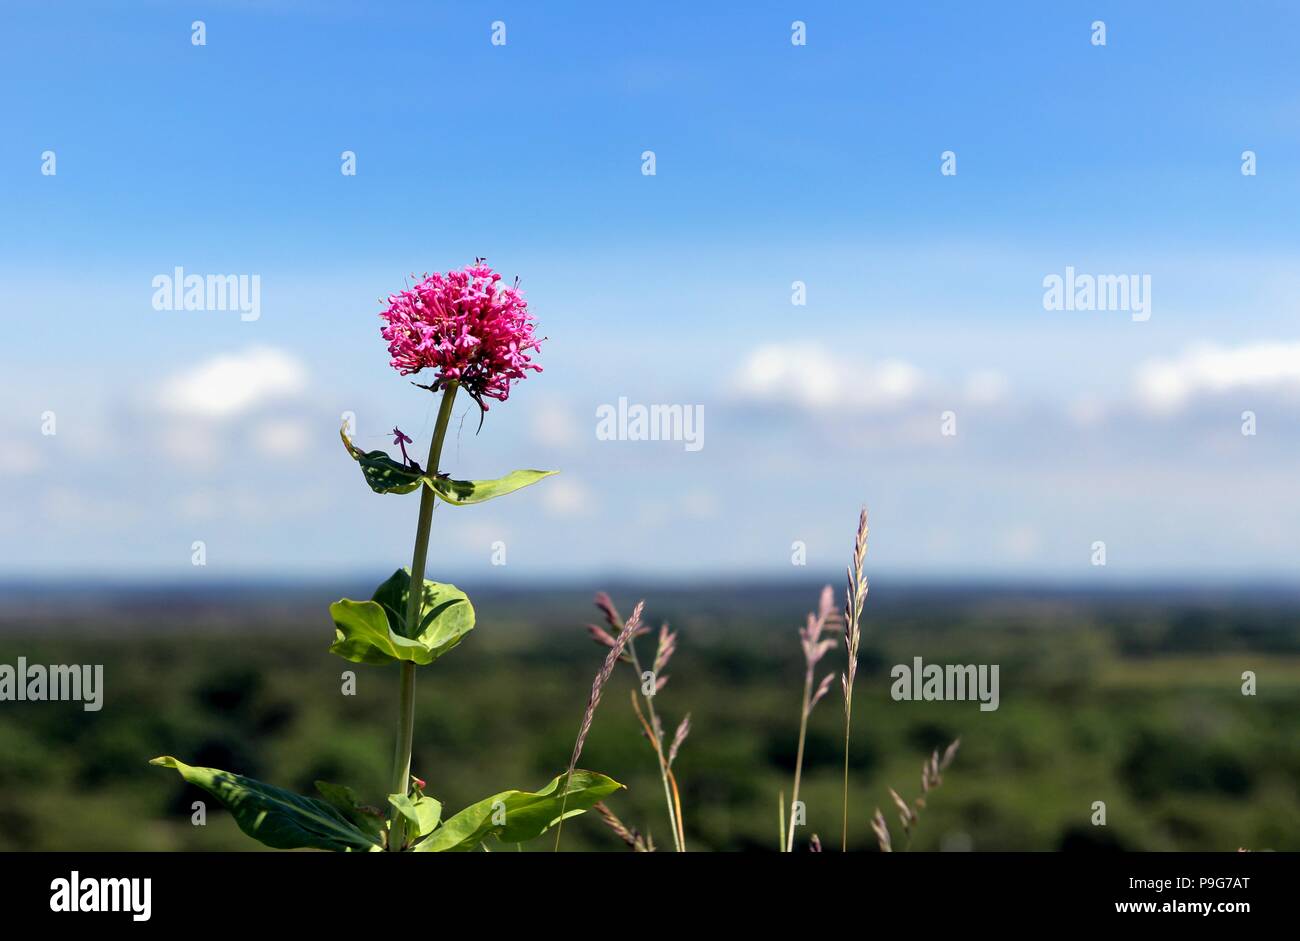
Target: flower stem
[(798, 761), (401, 780)]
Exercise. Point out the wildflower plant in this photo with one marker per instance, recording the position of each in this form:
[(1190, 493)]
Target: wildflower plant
[(471, 334)]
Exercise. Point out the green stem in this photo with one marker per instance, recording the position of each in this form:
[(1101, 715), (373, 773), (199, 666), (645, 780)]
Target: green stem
[(780, 820), (798, 761), (401, 780), (848, 722)]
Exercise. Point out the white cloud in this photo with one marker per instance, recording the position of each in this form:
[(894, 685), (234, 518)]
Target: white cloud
[(232, 383), (18, 459), (68, 506), (699, 504), (693, 505), (198, 505), (1166, 385), (282, 437), (565, 496), (1020, 542), (478, 538), (191, 444), (1086, 410), (987, 387), (810, 376), (553, 425)]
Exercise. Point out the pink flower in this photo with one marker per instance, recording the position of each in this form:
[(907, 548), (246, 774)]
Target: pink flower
[(401, 440), (467, 327)]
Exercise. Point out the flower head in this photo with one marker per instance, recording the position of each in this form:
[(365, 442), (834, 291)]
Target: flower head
[(467, 327)]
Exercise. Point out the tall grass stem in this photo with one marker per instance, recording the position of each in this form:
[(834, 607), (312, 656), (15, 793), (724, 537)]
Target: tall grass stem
[(674, 821)]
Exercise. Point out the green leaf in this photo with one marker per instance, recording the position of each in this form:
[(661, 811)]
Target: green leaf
[(368, 819), (465, 492), (274, 816), (385, 475), (423, 813), (445, 606), (516, 816), (382, 473), (362, 635), (375, 631)]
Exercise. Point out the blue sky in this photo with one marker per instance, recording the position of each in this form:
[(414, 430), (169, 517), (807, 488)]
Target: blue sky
[(774, 163)]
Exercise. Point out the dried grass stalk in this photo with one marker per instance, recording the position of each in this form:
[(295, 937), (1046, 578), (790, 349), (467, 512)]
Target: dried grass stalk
[(882, 832), (909, 814), (855, 595), (683, 730), (814, 648), (653, 729), (627, 834), (593, 700)]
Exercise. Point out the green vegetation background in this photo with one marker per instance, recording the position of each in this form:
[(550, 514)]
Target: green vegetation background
[(1133, 699)]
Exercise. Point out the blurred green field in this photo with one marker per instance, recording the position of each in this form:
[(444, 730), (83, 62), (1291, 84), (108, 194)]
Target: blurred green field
[(1132, 699)]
